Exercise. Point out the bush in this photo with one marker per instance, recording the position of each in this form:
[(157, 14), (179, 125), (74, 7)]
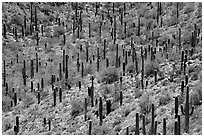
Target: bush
[(145, 104), (101, 130), (76, 107), (196, 95), (59, 30), (109, 75), (6, 103), (130, 68), (27, 100), (164, 99), (150, 67)]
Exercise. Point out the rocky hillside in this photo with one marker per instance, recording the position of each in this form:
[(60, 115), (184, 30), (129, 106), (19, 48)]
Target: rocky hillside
[(101, 68)]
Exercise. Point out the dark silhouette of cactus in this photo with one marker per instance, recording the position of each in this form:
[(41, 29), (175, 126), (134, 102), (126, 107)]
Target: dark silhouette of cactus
[(107, 63), (97, 59), (125, 31), (15, 98), (42, 30), (60, 95), (104, 49), (60, 71), (182, 87), (22, 30), (152, 120), (137, 129), (17, 124), (175, 128), (116, 56), (108, 106), (89, 30), (38, 97), (36, 62), (100, 111), (142, 73), (138, 33), (123, 68), (121, 98), (24, 73), (79, 85), (82, 70), (44, 121), (176, 107), (66, 67), (4, 74), (87, 53), (179, 125), (42, 83), (49, 123), (164, 126), (143, 125), (31, 69), (186, 111), (155, 128), (4, 33), (155, 76), (127, 131), (63, 61), (54, 95), (64, 39), (90, 127), (85, 109)]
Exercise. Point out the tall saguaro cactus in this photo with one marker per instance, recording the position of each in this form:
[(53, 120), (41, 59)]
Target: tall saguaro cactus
[(85, 109), (137, 125), (152, 121), (4, 85), (164, 126), (90, 127), (176, 107), (143, 125), (100, 111), (186, 111)]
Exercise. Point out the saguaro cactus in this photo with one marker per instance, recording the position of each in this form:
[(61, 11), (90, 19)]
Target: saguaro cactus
[(38, 97), (164, 126), (4, 34), (108, 106), (127, 131), (186, 111), (121, 98), (66, 67), (85, 109), (49, 123), (17, 124), (104, 49), (175, 128), (176, 107), (155, 128), (60, 95), (60, 71), (97, 59), (90, 127), (31, 69), (44, 121), (137, 125), (152, 123), (15, 98), (4, 74), (36, 62), (100, 111), (143, 125), (54, 94), (89, 30)]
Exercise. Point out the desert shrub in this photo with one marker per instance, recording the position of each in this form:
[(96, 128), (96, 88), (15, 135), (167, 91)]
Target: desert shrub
[(76, 107), (106, 89), (88, 69), (138, 93), (101, 130), (6, 124), (174, 56), (109, 75), (118, 128), (145, 104), (6, 103), (189, 8), (130, 68), (59, 30), (196, 94), (164, 99), (27, 100), (16, 19), (150, 67)]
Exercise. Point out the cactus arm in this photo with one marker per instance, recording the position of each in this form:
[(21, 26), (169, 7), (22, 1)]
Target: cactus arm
[(182, 110), (192, 110)]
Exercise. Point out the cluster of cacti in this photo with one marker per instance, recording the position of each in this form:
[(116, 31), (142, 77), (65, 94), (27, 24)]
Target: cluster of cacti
[(121, 59)]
